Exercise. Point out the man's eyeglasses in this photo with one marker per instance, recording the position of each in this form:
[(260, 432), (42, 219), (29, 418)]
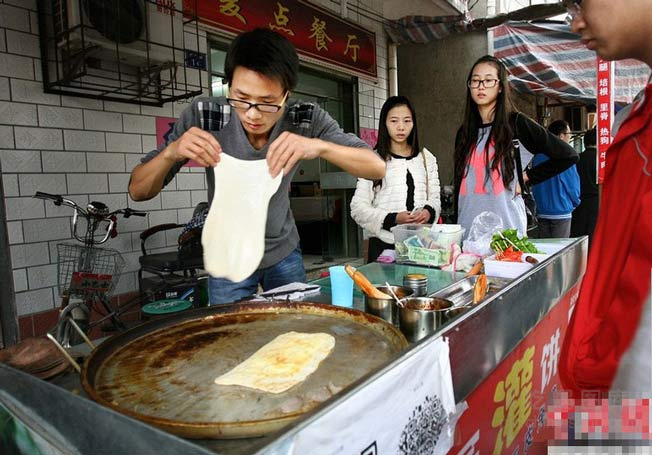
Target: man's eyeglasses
[(261, 107), (486, 83), (574, 8)]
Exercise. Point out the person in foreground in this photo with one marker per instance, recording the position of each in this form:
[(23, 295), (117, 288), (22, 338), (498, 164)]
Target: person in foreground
[(409, 193), (608, 344), (486, 176), (558, 196), (257, 121)]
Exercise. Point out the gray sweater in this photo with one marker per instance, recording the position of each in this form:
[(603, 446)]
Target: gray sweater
[(306, 119)]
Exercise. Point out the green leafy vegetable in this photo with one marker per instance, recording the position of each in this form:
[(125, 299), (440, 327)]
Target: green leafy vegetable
[(509, 237)]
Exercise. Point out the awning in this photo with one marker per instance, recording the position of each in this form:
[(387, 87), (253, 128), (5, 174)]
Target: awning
[(548, 59), (422, 28), (396, 9)]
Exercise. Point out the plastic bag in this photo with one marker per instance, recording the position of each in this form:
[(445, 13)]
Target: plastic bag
[(483, 227)]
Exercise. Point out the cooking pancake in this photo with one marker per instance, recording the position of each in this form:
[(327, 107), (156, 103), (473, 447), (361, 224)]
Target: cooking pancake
[(282, 363)]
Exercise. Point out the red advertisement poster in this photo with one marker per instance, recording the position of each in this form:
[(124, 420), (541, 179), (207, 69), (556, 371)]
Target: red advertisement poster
[(315, 32), (605, 111), (164, 127), (507, 412), (369, 135)]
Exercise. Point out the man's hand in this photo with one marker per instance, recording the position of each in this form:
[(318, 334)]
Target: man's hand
[(288, 149), (197, 145)]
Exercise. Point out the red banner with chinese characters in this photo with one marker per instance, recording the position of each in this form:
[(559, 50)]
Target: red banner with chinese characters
[(507, 412), (605, 112), (314, 31)]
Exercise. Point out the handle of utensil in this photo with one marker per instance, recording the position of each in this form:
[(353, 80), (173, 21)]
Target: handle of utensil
[(364, 284), (476, 269), (81, 332), (65, 353), (480, 288)]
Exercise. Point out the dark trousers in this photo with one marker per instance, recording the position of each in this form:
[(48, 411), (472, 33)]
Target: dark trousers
[(585, 217), (553, 229), (376, 246)]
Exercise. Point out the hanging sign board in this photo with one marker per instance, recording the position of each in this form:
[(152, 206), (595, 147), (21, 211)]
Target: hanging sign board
[(314, 31), (605, 112)]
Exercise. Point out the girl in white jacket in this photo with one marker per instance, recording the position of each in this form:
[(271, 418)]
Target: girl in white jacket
[(409, 192)]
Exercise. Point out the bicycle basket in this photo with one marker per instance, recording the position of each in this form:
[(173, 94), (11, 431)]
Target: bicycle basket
[(86, 271)]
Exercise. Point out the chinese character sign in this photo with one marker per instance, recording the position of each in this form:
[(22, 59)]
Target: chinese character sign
[(508, 412), (605, 112), (314, 31), (513, 401)]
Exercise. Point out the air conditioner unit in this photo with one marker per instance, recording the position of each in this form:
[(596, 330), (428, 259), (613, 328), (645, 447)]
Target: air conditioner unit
[(140, 33)]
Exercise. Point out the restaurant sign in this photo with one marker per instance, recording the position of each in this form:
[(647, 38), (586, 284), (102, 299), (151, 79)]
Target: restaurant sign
[(314, 31), (605, 113)]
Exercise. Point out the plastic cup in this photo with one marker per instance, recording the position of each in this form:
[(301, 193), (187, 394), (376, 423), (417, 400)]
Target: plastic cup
[(341, 287)]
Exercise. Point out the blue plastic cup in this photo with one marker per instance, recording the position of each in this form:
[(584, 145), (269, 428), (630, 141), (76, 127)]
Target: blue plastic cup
[(341, 287)]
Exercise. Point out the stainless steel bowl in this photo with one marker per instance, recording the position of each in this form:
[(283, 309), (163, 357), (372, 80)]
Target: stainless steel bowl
[(386, 308), (420, 316), (456, 311)]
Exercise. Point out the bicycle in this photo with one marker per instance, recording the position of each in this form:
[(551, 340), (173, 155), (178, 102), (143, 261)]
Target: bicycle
[(87, 271)]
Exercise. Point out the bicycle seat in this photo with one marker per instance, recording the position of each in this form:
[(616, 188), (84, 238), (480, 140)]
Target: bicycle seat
[(170, 262)]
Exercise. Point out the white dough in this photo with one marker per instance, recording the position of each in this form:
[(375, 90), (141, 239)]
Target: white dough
[(234, 233)]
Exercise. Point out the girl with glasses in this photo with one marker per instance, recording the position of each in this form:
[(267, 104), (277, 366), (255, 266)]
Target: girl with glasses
[(409, 192), (485, 173)]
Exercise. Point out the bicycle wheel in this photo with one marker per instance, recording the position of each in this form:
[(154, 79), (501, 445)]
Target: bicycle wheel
[(66, 334)]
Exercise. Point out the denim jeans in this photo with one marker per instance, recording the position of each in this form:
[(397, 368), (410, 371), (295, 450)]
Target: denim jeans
[(288, 270)]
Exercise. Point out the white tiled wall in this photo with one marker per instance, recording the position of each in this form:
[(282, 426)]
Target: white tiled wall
[(85, 149)]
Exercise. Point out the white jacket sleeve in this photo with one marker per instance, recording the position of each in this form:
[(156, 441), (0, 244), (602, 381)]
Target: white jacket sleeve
[(367, 216), (434, 190)]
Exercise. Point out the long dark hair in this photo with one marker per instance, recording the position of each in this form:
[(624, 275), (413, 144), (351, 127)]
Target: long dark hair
[(502, 131), (384, 143)]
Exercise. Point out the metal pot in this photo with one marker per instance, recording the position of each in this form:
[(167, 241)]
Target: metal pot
[(418, 282), (386, 309), (420, 316)]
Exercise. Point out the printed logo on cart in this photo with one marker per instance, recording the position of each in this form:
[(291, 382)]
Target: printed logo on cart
[(422, 431), (370, 450), (513, 397)]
